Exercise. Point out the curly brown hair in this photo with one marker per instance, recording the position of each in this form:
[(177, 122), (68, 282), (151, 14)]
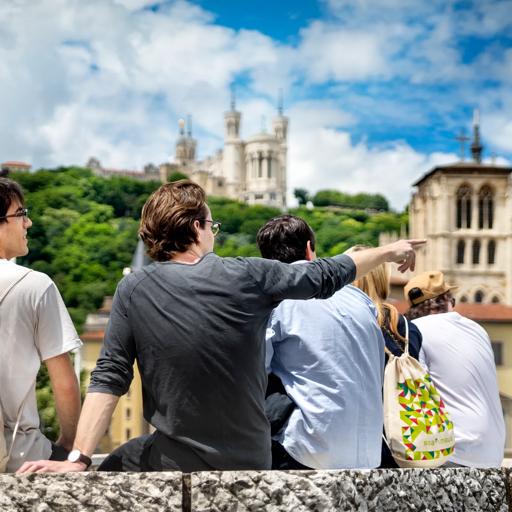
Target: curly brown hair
[(167, 221), (433, 306)]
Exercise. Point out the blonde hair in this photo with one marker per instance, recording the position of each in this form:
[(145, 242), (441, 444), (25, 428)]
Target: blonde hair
[(376, 285)]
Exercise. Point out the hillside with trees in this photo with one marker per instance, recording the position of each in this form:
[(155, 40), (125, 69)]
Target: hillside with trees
[(85, 228)]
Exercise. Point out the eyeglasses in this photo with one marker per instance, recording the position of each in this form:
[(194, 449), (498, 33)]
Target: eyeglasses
[(215, 225), (22, 212)]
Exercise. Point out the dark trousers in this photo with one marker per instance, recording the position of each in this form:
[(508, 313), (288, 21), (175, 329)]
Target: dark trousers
[(282, 460), (154, 452)]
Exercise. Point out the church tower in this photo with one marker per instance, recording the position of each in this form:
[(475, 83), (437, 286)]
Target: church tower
[(233, 170), (280, 129), (185, 155), (265, 164), (465, 210)]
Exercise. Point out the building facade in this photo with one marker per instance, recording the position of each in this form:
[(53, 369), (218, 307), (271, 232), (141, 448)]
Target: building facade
[(464, 210), (252, 170)]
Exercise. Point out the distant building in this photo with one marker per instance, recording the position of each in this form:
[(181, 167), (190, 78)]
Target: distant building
[(252, 170), (149, 173), (12, 166)]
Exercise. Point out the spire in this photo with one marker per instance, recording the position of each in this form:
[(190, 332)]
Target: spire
[(476, 145), (189, 125), (280, 102), (233, 98), (181, 124)]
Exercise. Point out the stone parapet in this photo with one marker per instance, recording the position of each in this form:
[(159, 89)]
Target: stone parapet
[(273, 491)]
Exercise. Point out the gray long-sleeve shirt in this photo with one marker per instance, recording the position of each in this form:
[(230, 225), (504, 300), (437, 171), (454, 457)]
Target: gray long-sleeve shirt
[(198, 335)]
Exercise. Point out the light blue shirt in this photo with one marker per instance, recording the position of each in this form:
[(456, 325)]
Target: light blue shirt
[(329, 355)]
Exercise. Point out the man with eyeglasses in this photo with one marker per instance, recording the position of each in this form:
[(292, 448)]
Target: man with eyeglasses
[(458, 355), (35, 327), (195, 323)]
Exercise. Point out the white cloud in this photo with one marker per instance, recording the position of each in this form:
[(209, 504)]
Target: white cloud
[(323, 158), (110, 78), (329, 52)]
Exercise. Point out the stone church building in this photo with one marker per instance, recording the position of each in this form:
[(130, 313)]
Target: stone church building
[(252, 170), (465, 212)]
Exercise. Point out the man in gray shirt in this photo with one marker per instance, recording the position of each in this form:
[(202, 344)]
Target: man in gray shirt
[(195, 323)]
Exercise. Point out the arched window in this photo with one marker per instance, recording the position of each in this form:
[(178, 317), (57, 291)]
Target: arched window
[(461, 248), (495, 300), (463, 299), (476, 252), (479, 296), (491, 252), (485, 208), (464, 207)]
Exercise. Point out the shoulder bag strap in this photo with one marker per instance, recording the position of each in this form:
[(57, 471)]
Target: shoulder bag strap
[(406, 335), (3, 293), (17, 424), (13, 282), (406, 348)]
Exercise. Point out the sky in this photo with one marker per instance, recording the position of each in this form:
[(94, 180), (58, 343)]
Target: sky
[(376, 90)]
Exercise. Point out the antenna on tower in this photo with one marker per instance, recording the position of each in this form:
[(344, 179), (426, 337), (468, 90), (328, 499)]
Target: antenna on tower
[(181, 124), (280, 102), (189, 125), (233, 97)]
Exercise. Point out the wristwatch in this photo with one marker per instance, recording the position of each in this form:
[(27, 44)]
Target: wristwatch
[(78, 456)]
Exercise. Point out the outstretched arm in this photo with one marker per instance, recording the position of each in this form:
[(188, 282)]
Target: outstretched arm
[(401, 252), (94, 420)]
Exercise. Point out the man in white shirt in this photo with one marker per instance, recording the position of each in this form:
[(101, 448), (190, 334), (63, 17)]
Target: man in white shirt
[(457, 352), (35, 327), (329, 355)]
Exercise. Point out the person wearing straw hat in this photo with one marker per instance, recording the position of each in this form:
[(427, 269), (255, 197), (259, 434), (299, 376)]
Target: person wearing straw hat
[(457, 353)]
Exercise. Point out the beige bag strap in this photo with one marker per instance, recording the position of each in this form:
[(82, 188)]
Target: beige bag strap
[(13, 282), (17, 424), (406, 348), (7, 288)]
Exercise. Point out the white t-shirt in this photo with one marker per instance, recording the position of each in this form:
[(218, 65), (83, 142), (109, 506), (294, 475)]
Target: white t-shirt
[(34, 326), (459, 357)]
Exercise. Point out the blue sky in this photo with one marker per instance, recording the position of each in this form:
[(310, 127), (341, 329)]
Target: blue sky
[(376, 90)]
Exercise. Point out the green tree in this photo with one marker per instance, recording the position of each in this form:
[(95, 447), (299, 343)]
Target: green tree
[(302, 195)]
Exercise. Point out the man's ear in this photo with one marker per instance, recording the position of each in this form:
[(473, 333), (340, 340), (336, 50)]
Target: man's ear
[(197, 227), (310, 253)]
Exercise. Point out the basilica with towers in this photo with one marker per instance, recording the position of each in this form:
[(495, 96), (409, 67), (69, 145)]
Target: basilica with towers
[(252, 170)]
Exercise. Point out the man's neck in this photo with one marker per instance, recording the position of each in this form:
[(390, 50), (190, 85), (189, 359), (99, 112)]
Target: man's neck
[(192, 255)]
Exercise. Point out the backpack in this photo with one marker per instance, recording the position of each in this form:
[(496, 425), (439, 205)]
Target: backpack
[(418, 428), (5, 288)]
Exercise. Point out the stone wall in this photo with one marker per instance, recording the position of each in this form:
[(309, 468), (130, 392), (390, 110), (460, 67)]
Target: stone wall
[(244, 491)]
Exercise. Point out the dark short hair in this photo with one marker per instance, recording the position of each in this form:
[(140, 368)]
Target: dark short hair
[(167, 222), (284, 238), (9, 191)]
